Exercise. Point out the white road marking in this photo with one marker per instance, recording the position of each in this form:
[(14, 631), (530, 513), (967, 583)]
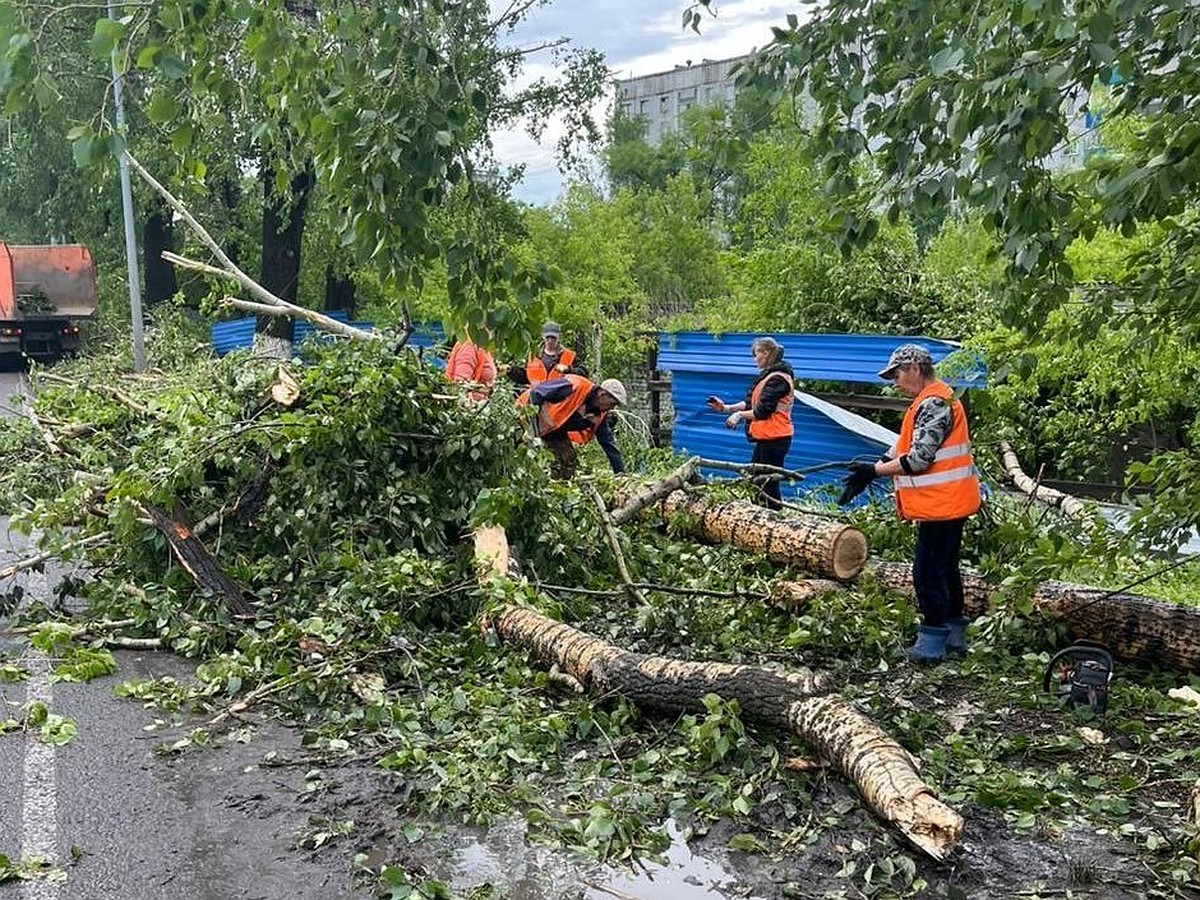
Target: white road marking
[(39, 804)]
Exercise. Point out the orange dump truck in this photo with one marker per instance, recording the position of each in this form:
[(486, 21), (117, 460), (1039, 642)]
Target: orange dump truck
[(44, 293)]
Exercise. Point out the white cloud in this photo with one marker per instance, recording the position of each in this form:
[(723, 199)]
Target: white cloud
[(637, 37)]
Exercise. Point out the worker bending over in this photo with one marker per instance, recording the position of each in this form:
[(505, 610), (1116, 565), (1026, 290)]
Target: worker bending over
[(572, 411)]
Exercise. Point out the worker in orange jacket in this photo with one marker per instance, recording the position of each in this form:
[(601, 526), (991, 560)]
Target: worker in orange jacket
[(572, 410), (552, 361), (936, 486), (767, 412), (468, 363)]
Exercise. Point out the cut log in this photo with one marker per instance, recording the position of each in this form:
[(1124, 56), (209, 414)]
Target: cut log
[(796, 595), (1072, 506), (199, 563), (1132, 626), (883, 771), (823, 547)]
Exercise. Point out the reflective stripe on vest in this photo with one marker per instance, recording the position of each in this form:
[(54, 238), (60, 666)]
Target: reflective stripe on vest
[(779, 423), (949, 488), (535, 369)]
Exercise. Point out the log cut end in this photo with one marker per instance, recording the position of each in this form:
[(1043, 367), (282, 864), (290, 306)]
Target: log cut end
[(849, 554), (491, 549), (934, 827)]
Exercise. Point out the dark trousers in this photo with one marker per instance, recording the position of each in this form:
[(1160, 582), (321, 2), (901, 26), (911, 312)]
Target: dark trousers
[(937, 579), (771, 453), (566, 455)]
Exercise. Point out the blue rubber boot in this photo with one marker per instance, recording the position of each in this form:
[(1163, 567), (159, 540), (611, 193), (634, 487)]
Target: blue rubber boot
[(956, 644), (930, 646)]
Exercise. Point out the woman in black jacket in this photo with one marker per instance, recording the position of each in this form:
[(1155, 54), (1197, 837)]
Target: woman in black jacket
[(767, 410)]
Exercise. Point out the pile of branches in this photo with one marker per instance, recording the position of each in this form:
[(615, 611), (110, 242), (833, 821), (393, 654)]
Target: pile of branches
[(348, 480)]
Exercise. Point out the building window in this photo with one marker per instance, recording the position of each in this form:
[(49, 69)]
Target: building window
[(685, 100)]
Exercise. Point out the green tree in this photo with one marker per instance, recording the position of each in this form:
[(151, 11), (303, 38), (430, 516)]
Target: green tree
[(391, 103), (968, 105)]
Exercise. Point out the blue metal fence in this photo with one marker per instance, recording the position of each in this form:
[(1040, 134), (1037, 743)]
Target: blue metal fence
[(704, 364), (238, 334)]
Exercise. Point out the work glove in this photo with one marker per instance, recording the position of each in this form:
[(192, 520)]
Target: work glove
[(861, 475), (733, 420)]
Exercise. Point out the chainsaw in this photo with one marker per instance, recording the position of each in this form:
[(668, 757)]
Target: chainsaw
[(1081, 674)]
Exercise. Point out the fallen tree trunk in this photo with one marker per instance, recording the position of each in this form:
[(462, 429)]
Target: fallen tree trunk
[(883, 771), (682, 476), (796, 595), (823, 547), (1133, 626), (1072, 506), (195, 559)]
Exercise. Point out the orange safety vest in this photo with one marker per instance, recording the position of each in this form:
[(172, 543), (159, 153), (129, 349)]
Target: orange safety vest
[(779, 423), (949, 488), (535, 369), (484, 371), (552, 416)]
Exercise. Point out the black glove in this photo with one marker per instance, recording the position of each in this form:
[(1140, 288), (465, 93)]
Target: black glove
[(861, 475)]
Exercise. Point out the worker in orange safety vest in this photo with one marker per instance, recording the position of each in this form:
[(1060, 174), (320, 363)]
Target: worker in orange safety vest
[(552, 360), (468, 363), (767, 412), (573, 410), (936, 486)]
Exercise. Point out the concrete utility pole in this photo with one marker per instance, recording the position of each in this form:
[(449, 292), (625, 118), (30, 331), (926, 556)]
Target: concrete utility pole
[(135, 290)]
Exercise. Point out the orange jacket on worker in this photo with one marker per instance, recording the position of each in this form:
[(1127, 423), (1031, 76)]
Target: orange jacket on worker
[(469, 363), (779, 423), (552, 416), (536, 371), (949, 488)]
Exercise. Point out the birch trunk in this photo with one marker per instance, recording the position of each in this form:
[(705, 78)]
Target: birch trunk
[(1133, 626), (800, 702), (883, 771), (821, 546)]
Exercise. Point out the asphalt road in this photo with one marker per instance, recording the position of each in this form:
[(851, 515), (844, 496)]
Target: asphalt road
[(114, 819)]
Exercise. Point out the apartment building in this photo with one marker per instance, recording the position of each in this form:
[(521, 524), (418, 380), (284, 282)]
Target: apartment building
[(662, 98)]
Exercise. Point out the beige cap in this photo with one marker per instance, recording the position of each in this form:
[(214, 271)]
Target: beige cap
[(615, 388)]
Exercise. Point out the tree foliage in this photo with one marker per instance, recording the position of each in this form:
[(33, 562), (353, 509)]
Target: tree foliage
[(393, 105), (968, 105)]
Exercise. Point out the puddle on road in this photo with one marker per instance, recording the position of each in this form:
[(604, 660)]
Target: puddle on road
[(502, 857)]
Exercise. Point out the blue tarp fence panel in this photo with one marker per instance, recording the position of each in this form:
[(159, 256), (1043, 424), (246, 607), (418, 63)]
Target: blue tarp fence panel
[(703, 365)]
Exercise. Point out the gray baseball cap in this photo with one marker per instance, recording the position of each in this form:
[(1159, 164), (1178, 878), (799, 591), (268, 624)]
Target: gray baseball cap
[(903, 355), (551, 329)]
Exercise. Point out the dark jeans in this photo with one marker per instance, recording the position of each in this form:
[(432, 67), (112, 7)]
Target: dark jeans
[(566, 455), (771, 453), (937, 579)]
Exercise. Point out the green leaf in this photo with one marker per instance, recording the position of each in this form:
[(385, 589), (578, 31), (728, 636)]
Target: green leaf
[(147, 56), (83, 150), (162, 109), (106, 37), (747, 843), (945, 60)]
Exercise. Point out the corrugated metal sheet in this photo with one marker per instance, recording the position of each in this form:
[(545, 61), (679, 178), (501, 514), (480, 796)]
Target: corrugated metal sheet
[(702, 364), (818, 357), (237, 334)]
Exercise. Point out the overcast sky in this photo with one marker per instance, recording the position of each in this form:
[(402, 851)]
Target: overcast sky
[(637, 37)]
